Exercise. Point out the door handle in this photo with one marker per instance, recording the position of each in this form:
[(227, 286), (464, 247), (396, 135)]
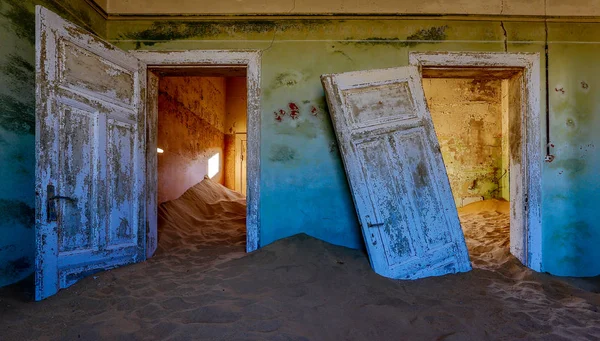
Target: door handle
[(371, 225), (61, 197), (51, 203)]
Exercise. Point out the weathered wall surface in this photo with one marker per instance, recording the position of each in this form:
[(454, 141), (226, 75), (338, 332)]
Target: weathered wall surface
[(302, 178), (191, 119), (467, 116), (17, 126), (235, 123), (493, 7)]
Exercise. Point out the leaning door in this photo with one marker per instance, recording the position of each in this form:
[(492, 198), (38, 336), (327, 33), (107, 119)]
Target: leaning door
[(90, 141), (396, 173)]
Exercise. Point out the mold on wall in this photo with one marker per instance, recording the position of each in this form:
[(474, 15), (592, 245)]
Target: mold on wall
[(17, 125), (467, 116), (191, 119)]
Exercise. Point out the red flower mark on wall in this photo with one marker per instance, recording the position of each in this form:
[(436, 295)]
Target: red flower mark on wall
[(314, 111), (294, 110), (279, 115)]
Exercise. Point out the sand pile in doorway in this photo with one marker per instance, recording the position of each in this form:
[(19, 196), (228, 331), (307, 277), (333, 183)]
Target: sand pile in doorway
[(486, 225), (207, 214)]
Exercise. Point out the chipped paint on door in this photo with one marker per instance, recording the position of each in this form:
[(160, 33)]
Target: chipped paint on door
[(90, 141), (395, 170)]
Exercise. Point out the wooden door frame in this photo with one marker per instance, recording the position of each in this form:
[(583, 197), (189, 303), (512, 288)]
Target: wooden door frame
[(237, 183), (251, 60), (531, 147)]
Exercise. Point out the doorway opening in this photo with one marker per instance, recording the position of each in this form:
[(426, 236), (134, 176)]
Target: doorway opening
[(201, 150), (471, 120), (486, 118), (216, 157)]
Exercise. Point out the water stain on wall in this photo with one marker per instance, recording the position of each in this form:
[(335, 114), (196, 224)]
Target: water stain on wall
[(287, 79), (162, 31), (436, 33), (571, 167), (282, 153), (21, 18), (569, 237), (17, 116), (17, 212), (15, 268), (429, 35)]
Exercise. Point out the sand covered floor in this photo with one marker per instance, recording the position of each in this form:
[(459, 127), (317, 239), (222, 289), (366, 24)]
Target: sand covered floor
[(301, 288)]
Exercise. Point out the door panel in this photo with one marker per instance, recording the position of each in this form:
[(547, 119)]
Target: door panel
[(120, 156), (75, 158), (90, 141), (395, 171)]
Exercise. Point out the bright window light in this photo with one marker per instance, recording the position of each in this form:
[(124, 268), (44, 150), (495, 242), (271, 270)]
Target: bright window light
[(213, 165), (160, 151)]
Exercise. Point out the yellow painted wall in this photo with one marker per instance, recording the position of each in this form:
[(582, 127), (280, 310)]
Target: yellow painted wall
[(102, 3), (467, 116), (486, 7)]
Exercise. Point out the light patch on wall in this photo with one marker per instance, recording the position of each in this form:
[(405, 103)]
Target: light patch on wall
[(213, 165), (159, 151)]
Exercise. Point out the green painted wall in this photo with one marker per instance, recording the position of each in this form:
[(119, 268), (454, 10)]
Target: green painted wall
[(303, 186), (303, 183), (17, 126)]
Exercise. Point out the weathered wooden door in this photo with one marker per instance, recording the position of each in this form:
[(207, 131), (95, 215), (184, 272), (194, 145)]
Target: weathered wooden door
[(396, 173), (90, 141)]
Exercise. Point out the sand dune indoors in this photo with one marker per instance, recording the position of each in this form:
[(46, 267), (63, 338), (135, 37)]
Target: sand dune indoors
[(301, 288)]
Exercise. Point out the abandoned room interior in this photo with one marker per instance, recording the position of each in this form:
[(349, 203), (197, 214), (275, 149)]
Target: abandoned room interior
[(297, 170), (201, 155), (472, 111)]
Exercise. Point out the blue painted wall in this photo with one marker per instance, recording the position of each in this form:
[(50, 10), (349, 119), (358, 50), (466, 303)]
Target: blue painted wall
[(17, 126), (303, 186)]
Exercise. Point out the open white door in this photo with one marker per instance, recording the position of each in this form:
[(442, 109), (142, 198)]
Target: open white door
[(90, 141), (396, 173)]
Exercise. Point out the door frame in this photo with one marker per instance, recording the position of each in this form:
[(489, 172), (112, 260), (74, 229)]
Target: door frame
[(251, 60), (531, 147)]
